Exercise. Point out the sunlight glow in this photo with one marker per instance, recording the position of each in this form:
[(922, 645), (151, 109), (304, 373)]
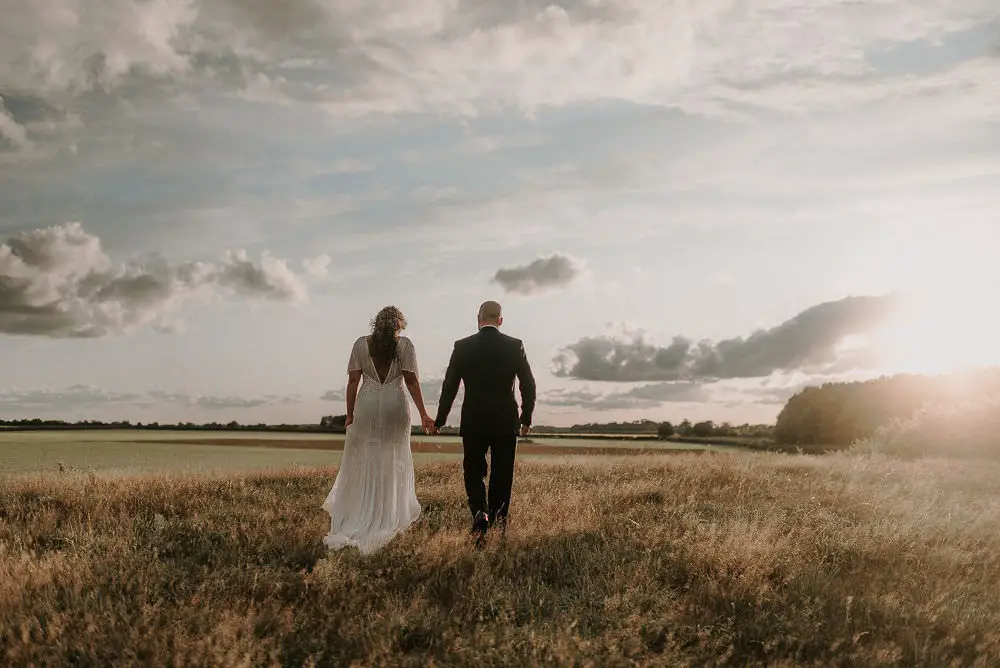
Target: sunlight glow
[(940, 333), (946, 274)]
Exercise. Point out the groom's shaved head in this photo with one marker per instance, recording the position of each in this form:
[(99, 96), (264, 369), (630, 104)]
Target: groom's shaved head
[(490, 313)]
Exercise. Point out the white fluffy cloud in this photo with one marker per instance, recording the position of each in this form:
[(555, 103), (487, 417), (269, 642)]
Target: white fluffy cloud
[(59, 282), (318, 267), (540, 275), (56, 50)]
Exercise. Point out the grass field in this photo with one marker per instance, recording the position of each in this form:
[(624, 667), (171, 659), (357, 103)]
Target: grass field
[(122, 452), (687, 559)]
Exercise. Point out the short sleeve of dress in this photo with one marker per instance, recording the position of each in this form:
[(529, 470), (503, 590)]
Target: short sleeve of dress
[(407, 356), (357, 352)]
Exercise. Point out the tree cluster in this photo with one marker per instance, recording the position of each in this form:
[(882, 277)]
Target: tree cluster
[(838, 414)]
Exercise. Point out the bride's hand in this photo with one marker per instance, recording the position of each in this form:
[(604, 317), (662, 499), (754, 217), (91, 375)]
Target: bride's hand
[(348, 421), (428, 423)]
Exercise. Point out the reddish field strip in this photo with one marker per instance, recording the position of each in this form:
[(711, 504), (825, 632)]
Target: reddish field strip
[(423, 447)]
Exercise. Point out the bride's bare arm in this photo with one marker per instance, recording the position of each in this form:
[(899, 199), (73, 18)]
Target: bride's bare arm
[(413, 385), (353, 381)]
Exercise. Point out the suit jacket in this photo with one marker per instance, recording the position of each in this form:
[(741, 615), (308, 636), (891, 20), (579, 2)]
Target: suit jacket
[(488, 362)]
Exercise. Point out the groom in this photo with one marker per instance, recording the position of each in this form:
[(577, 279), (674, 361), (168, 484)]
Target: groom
[(488, 362)]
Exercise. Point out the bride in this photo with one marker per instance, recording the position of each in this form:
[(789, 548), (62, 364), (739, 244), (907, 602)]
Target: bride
[(373, 497)]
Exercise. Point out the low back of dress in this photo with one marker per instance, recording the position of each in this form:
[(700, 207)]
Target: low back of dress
[(377, 374), (381, 369)]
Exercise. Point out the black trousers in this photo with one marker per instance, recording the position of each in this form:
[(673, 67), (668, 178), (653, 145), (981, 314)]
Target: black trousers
[(501, 448)]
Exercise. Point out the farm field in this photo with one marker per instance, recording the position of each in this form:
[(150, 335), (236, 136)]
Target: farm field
[(122, 452), (750, 559)]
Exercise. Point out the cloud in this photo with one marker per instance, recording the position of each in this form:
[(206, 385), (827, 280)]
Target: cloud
[(350, 166), (643, 396), (541, 275), (271, 278), (431, 391), (495, 143), (812, 340), (467, 58), (335, 395), (318, 267), (79, 397), (430, 388), (97, 45), (70, 398), (767, 393), (59, 282), (774, 390), (214, 402), (776, 396), (12, 133)]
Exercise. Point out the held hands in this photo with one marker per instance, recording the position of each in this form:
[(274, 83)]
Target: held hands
[(428, 423), (348, 421), (525, 429)]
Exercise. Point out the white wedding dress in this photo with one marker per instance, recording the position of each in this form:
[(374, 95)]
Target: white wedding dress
[(373, 497)]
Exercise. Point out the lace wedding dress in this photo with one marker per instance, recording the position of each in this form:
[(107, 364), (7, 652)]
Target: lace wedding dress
[(373, 497)]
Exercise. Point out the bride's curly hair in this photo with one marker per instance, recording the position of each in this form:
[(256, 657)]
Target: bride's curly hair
[(386, 326)]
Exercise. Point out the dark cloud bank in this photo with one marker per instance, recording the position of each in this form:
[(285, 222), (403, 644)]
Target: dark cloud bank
[(686, 371), (809, 341)]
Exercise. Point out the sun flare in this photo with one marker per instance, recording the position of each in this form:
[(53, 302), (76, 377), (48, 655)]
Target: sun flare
[(939, 333)]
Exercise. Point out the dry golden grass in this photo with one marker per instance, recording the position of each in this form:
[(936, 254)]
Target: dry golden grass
[(677, 560)]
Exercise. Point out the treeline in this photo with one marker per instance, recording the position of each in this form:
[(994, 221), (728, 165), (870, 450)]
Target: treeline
[(38, 424), (643, 428), (838, 414), (709, 429), (335, 424), (685, 427), (635, 427)]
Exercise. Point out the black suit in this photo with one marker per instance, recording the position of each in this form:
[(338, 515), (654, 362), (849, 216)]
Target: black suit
[(488, 362)]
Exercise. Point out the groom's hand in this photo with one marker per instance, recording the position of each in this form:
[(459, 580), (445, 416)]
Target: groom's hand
[(428, 424), (525, 429)]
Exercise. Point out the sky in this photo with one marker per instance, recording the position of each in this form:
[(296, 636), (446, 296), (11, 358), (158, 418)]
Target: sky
[(688, 209)]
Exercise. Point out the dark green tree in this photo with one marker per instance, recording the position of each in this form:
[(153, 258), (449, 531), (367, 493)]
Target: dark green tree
[(703, 429)]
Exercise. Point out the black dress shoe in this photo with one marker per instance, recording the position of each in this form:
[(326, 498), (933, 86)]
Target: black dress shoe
[(480, 523)]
